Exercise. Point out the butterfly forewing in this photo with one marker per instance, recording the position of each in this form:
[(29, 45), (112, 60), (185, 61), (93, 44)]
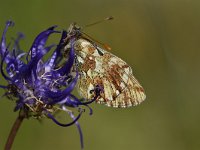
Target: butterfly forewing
[(98, 67)]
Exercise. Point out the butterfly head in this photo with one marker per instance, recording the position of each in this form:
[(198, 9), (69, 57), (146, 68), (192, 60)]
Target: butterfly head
[(74, 30)]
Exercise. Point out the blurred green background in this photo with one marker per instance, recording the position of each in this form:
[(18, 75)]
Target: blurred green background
[(159, 39)]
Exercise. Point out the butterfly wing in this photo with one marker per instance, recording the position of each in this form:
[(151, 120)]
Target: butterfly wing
[(98, 67)]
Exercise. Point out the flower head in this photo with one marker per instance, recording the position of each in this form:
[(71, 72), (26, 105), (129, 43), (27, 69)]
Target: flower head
[(40, 88)]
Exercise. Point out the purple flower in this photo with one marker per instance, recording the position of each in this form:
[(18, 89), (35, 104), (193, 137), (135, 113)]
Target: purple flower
[(41, 87)]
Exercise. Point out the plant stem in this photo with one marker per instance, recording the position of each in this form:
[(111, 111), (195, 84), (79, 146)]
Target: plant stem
[(14, 129)]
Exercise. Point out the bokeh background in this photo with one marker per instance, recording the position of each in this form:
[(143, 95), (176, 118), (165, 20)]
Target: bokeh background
[(159, 39)]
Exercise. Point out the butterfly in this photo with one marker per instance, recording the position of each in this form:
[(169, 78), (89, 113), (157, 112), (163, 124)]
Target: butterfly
[(98, 67)]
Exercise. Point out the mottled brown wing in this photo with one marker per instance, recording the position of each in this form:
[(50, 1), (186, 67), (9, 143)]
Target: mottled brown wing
[(99, 67)]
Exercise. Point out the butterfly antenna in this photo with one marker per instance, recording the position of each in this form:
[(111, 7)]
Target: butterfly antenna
[(106, 46), (100, 21)]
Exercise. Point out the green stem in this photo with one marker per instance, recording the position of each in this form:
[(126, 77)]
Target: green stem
[(14, 130)]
